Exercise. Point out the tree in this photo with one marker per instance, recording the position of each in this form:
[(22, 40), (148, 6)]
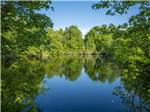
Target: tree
[(23, 26), (99, 39), (138, 27), (132, 44), (56, 40), (89, 42), (72, 39)]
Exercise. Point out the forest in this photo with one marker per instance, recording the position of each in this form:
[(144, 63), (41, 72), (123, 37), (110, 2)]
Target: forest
[(26, 34)]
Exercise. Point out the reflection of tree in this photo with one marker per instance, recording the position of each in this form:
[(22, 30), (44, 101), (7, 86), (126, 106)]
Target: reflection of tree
[(72, 68), (137, 88), (101, 69), (69, 67), (20, 84), (133, 102), (54, 66), (89, 65)]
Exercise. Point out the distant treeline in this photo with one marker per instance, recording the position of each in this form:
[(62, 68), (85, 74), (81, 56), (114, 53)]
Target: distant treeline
[(71, 42), (26, 33)]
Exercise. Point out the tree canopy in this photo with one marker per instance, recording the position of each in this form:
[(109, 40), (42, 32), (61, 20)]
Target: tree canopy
[(23, 26)]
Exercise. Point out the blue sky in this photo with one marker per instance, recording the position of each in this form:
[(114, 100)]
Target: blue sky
[(81, 14)]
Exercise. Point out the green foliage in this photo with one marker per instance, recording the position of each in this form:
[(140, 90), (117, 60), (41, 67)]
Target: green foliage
[(131, 45), (23, 26), (68, 41), (131, 101), (20, 84), (72, 40), (56, 41), (99, 39), (28, 34), (136, 31), (100, 69)]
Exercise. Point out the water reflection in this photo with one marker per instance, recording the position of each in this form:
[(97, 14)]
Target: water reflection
[(24, 84), (69, 67), (101, 69), (133, 102), (136, 92)]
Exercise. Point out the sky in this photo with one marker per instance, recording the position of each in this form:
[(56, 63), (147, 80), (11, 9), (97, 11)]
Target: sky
[(81, 14)]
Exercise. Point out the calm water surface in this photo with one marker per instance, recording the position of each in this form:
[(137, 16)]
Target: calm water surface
[(68, 84), (80, 95)]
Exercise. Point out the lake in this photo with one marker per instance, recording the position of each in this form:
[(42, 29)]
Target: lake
[(69, 84)]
